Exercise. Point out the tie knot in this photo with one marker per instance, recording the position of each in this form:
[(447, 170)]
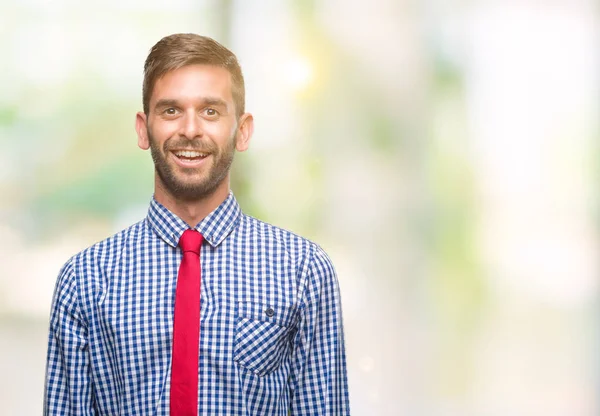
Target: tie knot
[(191, 240)]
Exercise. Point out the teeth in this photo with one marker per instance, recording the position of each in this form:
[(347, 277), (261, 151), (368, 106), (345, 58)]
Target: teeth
[(190, 153)]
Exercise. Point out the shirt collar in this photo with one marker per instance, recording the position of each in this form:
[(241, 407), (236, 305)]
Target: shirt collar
[(215, 227)]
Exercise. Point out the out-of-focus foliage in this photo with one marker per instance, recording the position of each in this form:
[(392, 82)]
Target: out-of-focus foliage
[(443, 154)]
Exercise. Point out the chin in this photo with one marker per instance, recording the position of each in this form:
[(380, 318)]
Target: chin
[(190, 191)]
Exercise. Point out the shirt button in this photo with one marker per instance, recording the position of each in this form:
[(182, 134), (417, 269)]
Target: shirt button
[(270, 312)]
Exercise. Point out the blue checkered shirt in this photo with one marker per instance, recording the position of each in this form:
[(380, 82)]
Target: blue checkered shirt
[(271, 338)]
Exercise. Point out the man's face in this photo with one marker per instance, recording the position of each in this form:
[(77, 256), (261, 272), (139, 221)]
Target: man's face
[(192, 130)]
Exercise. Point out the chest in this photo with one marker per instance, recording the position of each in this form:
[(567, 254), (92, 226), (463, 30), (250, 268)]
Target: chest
[(247, 295)]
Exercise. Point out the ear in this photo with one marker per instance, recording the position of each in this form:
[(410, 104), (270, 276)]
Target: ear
[(142, 130), (244, 132)]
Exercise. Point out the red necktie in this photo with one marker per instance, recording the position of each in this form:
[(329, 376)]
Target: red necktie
[(186, 329)]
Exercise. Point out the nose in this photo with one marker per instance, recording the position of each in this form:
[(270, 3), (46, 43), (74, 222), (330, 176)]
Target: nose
[(191, 125)]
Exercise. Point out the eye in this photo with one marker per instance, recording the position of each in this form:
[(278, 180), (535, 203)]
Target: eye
[(211, 112), (170, 111)]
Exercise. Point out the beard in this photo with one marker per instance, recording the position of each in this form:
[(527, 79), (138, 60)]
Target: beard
[(188, 184)]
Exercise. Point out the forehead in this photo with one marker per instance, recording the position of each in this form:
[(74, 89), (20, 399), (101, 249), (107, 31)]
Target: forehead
[(194, 82)]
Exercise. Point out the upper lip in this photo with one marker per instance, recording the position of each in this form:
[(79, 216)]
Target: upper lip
[(202, 152)]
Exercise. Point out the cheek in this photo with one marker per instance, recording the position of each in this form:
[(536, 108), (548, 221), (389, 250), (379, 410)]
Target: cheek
[(224, 132), (215, 129), (168, 128), (161, 132)]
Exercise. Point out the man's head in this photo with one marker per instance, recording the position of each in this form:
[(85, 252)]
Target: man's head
[(193, 118), (179, 50)]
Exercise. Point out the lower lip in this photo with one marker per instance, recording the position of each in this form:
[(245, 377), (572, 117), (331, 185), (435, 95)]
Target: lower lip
[(185, 163)]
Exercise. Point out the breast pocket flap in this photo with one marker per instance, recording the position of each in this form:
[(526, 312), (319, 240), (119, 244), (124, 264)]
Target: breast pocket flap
[(262, 336)]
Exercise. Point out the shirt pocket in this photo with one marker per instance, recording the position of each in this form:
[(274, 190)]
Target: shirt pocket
[(262, 336)]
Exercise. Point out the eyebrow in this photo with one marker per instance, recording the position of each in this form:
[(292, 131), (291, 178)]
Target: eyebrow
[(167, 102)]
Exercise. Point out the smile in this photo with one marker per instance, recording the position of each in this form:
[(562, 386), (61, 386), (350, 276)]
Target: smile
[(189, 158), (189, 154)]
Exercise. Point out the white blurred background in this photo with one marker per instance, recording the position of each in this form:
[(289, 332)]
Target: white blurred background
[(444, 153)]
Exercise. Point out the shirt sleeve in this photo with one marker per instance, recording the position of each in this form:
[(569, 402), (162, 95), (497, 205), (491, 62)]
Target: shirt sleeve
[(68, 387), (319, 380)]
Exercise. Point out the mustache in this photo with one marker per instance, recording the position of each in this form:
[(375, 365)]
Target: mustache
[(188, 144)]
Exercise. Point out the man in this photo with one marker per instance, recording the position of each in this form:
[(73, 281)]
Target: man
[(198, 308)]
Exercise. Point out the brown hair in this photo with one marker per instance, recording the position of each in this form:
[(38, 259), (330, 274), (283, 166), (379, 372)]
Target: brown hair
[(179, 50)]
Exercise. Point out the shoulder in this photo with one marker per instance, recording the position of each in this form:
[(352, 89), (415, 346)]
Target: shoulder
[(104, 252), (267, 236), (86, 273), (266, 233)]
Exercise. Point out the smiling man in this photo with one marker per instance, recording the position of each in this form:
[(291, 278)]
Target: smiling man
[(198, 308)]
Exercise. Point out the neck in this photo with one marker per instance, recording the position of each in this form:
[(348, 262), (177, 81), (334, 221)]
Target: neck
[(191, 211)]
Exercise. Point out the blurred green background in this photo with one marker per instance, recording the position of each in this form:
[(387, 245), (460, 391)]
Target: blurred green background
[(444, 154)]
